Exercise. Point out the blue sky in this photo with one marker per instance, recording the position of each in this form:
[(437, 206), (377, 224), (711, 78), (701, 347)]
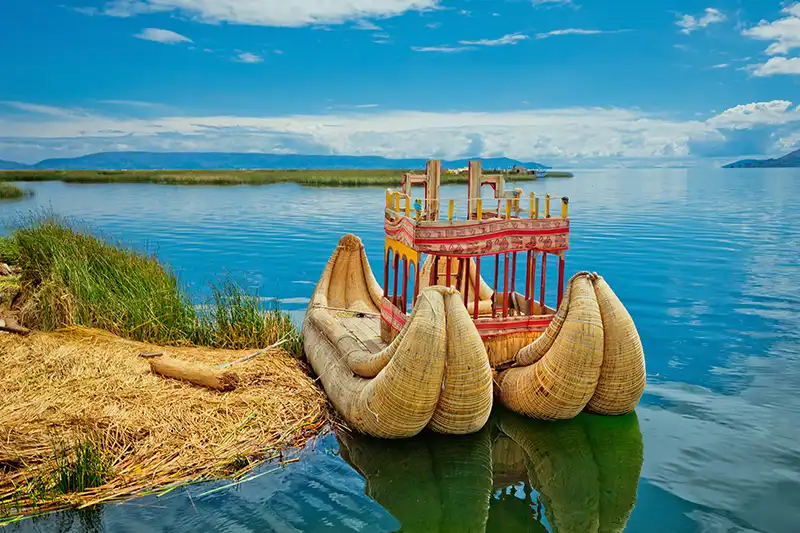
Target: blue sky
[(570, 83)]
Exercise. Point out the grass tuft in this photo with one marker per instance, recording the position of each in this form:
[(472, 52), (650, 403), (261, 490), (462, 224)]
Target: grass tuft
[(10, 191), (236, 319), (80, 467), (70, 277)]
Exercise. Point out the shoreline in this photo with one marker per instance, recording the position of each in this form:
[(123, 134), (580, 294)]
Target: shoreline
[(319, 178)]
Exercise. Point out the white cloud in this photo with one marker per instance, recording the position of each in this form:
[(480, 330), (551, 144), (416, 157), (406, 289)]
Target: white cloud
[(511, 38), (554, 3), (587, 135), (162, 36), (746, 116), (574, 31), (784, 32), (442, 49), (433, 25), (366, 25), (722, 65), (777, 65), (42, 109), (247, 57), (130, 103), (291, 13), (690, 23)]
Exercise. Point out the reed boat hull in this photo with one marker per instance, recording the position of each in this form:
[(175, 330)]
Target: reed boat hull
[(435, 373), (436, 370)]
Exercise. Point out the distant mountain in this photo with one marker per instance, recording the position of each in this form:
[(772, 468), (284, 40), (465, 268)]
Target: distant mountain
[(11, 165), (791, 160), (223, 161)]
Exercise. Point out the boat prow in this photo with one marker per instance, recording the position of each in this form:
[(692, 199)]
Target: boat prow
[(419, 379)]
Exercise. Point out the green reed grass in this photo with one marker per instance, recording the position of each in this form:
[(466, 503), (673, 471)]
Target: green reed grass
[(313, 178), (70, 277), (80, 467), (9, 191)]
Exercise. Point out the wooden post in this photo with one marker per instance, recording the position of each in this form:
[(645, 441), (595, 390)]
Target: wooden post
[(496, 275), (477, 280), (416, 282), (544, 279), (396, 266), (405, 284), (388, 199), (528, 276), (447, 275), (547, 206), (513, 271), (450, 207), (565, 207), (536, 209), (463, 270), (435, 271), (474, 187), (533, 282), (505, 285), (561, 261), (397, 202), (386, 273), (533, 204), (408, 206), (480, 208), (508, 209)]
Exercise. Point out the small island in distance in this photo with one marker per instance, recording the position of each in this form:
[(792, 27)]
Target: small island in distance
[(791, 160)]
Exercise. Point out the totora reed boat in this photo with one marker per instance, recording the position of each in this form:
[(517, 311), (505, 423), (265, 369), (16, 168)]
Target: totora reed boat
[(438, 344)]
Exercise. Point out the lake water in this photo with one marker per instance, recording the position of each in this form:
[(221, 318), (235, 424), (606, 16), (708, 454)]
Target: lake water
[(707, 263)]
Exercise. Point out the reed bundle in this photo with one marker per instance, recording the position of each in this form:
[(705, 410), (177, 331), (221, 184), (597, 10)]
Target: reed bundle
[(78, 408)]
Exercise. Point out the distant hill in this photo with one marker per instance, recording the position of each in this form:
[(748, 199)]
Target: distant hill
[(791, 160), (11, 165), (230, 161)]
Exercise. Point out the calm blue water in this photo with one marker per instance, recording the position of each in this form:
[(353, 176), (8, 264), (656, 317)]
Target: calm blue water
[(707, 264)]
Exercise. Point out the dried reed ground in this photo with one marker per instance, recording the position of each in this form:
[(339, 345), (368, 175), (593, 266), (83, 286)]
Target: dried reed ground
[(82, 384)]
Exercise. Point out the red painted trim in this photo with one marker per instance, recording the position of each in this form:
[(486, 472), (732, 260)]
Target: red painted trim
[(475, 311), (544, 279), (560, 281)]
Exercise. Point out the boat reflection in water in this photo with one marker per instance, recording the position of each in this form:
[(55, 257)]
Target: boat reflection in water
[(515, 475)]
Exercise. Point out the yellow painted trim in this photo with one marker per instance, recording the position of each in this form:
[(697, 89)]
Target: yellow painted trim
[(564, 209), (450, 206), (403, 250), (547, 206), (534, 214), (388, 199), (508, 209), (480, 209), (536, 210)]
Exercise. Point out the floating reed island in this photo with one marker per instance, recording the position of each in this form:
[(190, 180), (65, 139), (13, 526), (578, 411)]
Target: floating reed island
[(436, 345), (120, 388)]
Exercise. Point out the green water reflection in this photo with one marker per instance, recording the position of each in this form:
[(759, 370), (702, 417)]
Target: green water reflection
[(516, 475)]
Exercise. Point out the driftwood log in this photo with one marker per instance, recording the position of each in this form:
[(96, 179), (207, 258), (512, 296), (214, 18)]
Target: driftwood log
[(11, 326), (195, 373)]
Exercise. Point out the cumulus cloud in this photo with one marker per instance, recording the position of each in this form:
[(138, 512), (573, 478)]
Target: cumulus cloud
[(785, 32), (777, 65), (690, 23), (591, 135), (162, 36), (291, 13), (757, 113), (248, 57)]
